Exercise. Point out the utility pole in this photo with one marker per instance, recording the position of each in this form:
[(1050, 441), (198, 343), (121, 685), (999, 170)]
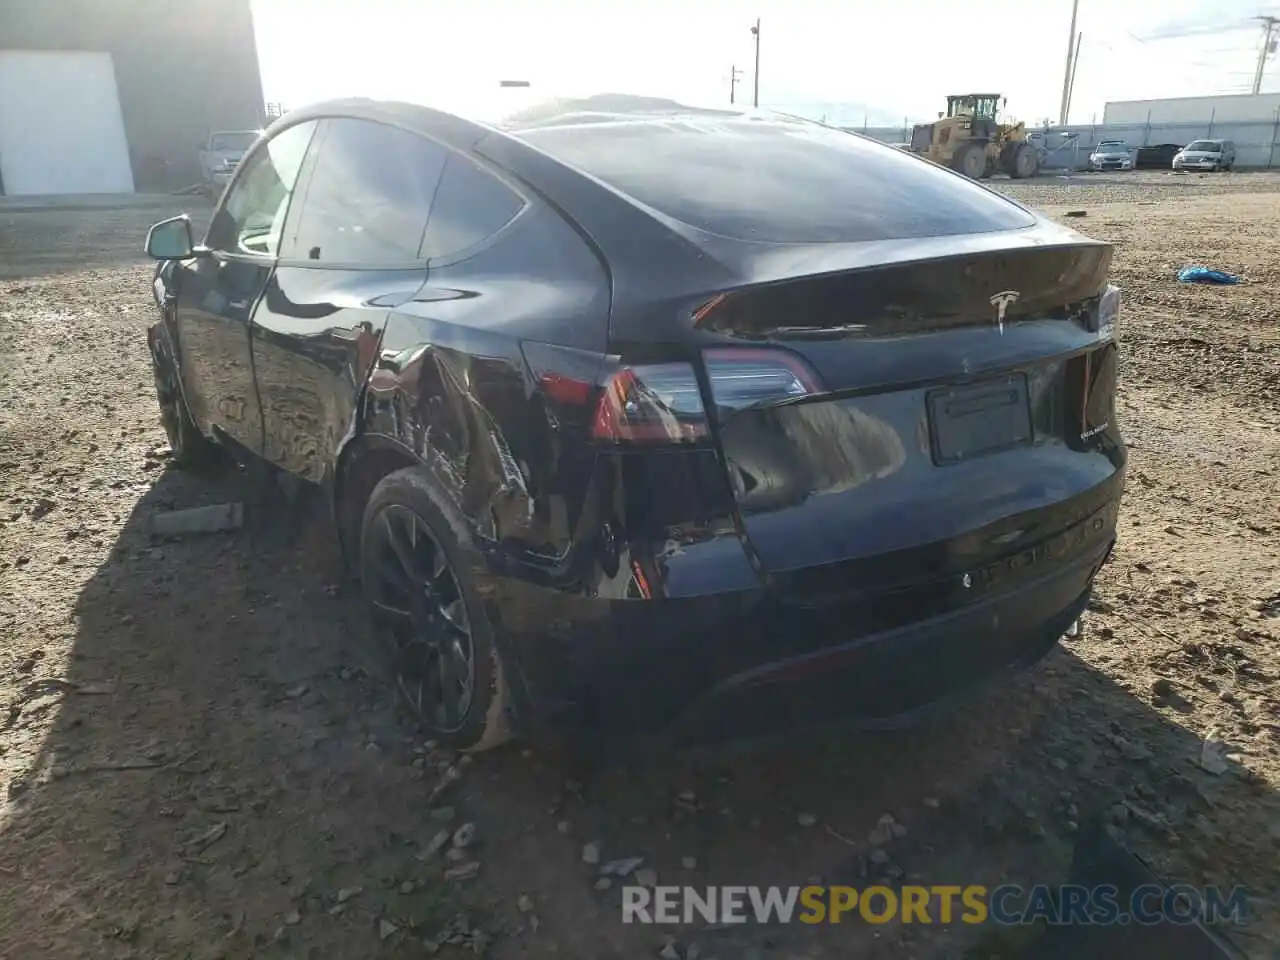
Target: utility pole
[(1269, 25), (734, 76), (1071, 86), (755, 93), (1066, 75)]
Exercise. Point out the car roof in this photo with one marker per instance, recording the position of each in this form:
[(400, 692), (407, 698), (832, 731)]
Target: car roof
[(723, 177), (557, 111), (758, 176), (450, 128), (736, 173), (682, 200)]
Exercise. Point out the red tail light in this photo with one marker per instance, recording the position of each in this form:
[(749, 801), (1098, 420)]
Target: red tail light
[(658, 402), (663, 402), (566, 390)]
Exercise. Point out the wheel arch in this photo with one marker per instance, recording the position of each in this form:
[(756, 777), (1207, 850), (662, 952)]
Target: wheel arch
[(360, 465), (162, 342), (163, 335)]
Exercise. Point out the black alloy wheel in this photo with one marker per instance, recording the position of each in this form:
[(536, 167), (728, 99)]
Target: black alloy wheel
[(416, 593), (438, 642)]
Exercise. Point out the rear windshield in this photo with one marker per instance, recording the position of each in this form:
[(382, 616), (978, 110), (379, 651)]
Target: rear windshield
[(1204, 145), (776, 180)]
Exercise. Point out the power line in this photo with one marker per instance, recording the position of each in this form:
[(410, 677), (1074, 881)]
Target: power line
[(1177, 31), (1226, 76), (1182, 61), (1226, 50)]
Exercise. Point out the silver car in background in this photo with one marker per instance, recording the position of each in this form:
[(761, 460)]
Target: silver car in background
[(1111, 155), (1206, 155)]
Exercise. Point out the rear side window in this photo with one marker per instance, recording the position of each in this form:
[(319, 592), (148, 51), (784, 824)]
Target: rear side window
[(368, 196), (471, 205), (777, 180)]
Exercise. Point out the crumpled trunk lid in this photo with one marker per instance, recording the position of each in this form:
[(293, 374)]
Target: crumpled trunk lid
[(965, 418)]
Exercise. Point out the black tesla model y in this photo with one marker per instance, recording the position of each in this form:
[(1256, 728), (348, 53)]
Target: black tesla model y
[(643, 422)]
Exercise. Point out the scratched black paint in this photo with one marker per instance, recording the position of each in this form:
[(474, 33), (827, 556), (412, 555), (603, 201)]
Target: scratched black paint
[(808, 561)]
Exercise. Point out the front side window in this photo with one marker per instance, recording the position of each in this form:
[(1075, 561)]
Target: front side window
[(368, 197), (251, 220)]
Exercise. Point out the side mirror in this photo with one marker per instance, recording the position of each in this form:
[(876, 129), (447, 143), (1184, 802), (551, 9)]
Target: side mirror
[(171, 239)]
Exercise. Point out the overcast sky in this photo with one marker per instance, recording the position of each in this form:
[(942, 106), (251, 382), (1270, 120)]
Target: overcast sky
[(844, 59)]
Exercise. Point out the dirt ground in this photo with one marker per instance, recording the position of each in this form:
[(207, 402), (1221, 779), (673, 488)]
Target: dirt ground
[(196, 758)]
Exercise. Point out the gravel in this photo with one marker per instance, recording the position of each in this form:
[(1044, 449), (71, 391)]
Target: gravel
[(188, 646)]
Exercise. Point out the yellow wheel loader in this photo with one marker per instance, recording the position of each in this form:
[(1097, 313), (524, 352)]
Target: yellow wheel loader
[(972, 140)]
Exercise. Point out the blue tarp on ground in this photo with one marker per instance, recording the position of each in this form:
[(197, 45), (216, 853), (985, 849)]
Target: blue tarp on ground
[(1206, 275)]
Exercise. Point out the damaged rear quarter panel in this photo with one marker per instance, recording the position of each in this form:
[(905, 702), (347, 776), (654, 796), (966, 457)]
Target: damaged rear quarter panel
[(452, 386)]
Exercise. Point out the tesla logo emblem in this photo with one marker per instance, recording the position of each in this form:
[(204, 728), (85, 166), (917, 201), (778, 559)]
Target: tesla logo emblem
[(1001, 302)]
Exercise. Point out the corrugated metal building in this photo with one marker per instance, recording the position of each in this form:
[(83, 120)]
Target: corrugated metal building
[(112, 96), (1242, 108)]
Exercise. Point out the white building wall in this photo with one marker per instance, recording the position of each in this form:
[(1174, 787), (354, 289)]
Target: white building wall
[(1242, 108), (61, 130)]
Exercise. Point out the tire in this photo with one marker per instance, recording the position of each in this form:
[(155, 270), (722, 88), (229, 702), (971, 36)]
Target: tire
[(1025, 162), (191, 448), (414, 639), (1006, 159), (971, 160)]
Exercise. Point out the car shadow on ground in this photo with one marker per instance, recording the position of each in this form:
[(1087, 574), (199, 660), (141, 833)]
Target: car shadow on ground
[(227, 776)]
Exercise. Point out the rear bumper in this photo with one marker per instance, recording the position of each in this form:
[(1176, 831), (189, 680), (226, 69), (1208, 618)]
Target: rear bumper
[(897, 678), (696, 671)]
